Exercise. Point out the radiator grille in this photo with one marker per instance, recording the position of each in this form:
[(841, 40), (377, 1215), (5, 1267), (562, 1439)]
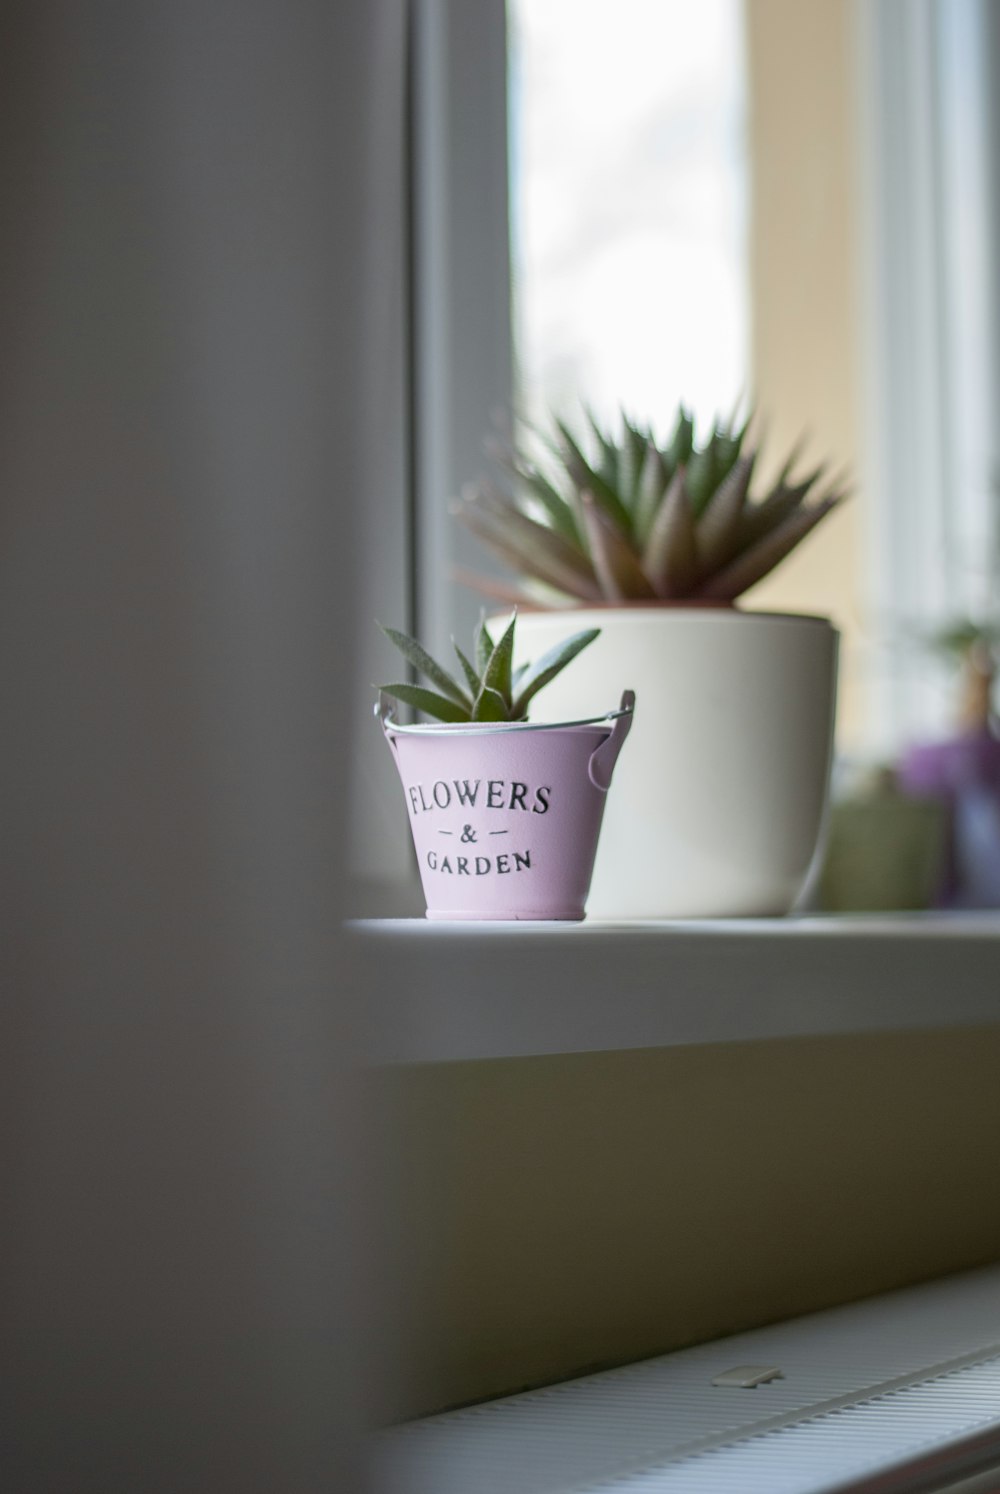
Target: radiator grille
[(917, 1433), (907, 1382)]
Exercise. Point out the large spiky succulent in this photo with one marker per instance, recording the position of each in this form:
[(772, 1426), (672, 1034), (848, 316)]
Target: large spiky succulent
[(620, 518), (494, 690)]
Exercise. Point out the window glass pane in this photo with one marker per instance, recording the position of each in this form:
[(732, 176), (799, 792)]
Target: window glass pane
[(793, 204), (628, 205)]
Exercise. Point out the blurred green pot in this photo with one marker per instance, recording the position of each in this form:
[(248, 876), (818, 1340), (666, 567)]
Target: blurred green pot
[(886, 850)]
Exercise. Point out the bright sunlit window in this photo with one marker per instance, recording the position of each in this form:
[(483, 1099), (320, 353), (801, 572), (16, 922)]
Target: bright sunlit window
[(628, 206)]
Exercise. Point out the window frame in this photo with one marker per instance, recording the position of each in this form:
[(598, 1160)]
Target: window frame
[(461, 367), (456, 359), (443, 323)]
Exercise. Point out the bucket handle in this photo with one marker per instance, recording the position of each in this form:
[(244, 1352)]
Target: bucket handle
[(604, 757), (383, 715)]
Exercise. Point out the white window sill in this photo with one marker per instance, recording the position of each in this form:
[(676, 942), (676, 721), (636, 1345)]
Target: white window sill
[(448, 992)]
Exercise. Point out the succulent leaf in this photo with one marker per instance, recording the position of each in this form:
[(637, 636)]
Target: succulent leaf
[(490, 586), (670, 558), (422, 662), (491, 706), (589, 480), (428, 701), (497, 674), (653, 478), (617, 566), (631, 455), (709, 467), (783, 499), (682, 443), (531, 547), (608, 452), (537, 486), (483, 644), (794, 458), (761, 558), (700, 475), (471, 677), (545, 669), (740, 432), (720, 532)]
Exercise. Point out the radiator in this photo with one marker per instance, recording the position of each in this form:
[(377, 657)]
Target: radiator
[(897, 1393)]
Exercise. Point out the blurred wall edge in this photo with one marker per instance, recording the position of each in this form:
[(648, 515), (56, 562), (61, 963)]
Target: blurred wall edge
[(184, 271)]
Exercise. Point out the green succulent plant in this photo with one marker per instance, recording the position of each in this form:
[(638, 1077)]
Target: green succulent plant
[(493, 689), (620, 518)]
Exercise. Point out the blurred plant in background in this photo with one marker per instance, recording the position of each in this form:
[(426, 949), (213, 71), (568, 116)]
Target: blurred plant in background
[(927, 830)]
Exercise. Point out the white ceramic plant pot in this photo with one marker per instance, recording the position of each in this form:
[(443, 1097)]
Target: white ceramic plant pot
[(721, 795)]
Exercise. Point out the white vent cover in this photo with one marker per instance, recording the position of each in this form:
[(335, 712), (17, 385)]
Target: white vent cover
[(900, 1393)]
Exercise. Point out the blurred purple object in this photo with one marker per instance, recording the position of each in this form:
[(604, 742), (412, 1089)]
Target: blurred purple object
[(965, 772)]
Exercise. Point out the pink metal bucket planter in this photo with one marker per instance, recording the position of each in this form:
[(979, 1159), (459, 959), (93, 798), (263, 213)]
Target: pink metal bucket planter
[(506, 816)]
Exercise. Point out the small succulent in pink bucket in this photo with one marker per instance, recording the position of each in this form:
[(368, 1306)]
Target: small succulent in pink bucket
[(505, 813)]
